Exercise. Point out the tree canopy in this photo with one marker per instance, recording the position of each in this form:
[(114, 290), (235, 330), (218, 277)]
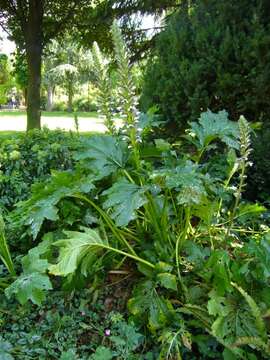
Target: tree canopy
[(32, 24)]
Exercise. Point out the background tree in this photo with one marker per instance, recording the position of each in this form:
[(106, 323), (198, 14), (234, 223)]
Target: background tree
[(131, 13), (33, 24), (66, 65), (217, 56), (19, 72), (6, 79), (52, 58), (67, 76)]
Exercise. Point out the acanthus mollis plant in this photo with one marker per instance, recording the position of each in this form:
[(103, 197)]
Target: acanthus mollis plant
[(201, 292), (123, 98), (105, 98), (128, 101)]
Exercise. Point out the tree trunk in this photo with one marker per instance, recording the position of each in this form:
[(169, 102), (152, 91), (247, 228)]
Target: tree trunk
[(33, 37), (25, 96), (70, 96), (50, 98)]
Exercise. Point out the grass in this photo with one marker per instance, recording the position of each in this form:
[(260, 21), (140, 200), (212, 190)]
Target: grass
[(82, 114), (8, 134), (12, 121)]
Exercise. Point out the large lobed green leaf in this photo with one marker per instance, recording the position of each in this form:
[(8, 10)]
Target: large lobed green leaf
[(104, 154), (187, 180), (232, 318), (147, 304), (213, 126), (79, 248), (30, 287), (124, 198), (34, 282), (45, 196)]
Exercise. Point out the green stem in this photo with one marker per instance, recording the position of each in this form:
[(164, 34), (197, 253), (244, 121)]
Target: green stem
[(4, 251), (137, 258), (153, 218), (238, 196), (107, 220), (179, 242), (128, 176)]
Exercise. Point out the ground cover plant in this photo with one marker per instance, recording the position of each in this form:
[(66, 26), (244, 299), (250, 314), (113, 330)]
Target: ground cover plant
[(170, 215), (70, 326)]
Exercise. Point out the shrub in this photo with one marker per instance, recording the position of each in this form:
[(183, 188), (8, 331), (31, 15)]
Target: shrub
[(259, 174), (214, 56), (59, 106), (28, 157), (83, 104)]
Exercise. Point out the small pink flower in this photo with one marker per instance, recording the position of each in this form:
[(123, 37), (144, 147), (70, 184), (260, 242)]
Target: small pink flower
[(82, 313), (107, 332)]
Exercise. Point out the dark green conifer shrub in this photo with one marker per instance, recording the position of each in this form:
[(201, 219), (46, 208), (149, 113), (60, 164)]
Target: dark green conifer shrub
[(259, 174), (216, 56)]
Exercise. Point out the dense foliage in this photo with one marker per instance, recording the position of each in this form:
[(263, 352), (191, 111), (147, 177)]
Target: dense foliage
[(6, 81), (169, 215), (70, 327), (259, 175), (214, 55), (26, 158)]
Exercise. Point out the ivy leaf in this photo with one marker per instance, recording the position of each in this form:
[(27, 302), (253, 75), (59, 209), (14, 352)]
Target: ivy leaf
[(30, 287), (106, 154), (124, 198), (167, 280), (5, 349), (213, 126)]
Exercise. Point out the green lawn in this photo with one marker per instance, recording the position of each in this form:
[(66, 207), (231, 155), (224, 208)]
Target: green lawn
[(83, 114), (15, 120)]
